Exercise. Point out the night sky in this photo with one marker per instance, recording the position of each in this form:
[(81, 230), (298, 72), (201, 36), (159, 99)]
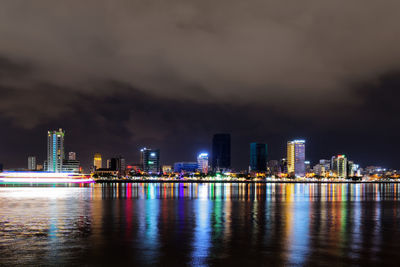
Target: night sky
[(119, 75)]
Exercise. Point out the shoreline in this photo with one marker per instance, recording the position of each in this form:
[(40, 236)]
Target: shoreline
[(242, 182)]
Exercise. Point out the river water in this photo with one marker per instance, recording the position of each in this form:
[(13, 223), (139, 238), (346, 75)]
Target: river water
[(200, 224)]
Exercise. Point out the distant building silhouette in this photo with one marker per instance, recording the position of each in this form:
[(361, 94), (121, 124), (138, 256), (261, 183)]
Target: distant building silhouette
[(258, 157), (221, 152)]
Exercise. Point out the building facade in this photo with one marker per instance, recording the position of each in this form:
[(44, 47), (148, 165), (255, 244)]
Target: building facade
[(118, 164), (97, 161), (71, 155), (71, 166), (202, 162), (32, 163), (341, 166), (185, 167), (258, 157), (221, 152), (296, 157), (55, 150), (150, 160)]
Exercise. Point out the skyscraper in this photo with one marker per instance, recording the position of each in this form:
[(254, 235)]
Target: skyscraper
[(118, 164), (341, 166), (295, 157), (258, 157), (221, 152), (55, 150), (97, 162), (202, 162), (150, 160), (32, 163)]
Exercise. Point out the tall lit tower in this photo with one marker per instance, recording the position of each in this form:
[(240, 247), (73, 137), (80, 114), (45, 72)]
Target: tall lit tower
[(341, 166), (202, 162), (97, 162), (55, 150), (295, 157), (150, 160)]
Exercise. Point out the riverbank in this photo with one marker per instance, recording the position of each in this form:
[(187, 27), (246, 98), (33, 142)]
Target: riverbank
[(241, 182)]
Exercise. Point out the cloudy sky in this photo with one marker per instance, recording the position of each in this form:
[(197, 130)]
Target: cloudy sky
[(123, 74)]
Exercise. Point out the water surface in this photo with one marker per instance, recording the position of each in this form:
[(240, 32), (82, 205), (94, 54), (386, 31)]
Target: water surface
[(200, 224)]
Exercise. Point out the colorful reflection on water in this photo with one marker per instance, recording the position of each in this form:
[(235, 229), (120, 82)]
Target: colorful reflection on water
[(200, 224)]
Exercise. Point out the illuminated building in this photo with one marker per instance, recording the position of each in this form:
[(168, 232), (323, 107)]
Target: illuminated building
[(221, 152), (97, 162), (32, 163), (341, 166), (166, 168), (202, 162), (55, 150), (71, 166), (185, 166), (258, 157), (350, 168), (150, 160), (319, 169), (72, 156), (296, 157), (39, 167)]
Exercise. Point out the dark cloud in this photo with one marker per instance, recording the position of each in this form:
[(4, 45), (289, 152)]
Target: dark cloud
[(172, 73)]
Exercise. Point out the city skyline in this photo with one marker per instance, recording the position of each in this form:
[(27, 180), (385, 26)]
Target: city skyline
[(296, 163)]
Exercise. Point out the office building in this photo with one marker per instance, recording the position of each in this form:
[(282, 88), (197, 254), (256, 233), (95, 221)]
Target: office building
[(55, 150), (71, 155), (307, 166), (273, 167), (202, 162), (118, 164), (150, 160), (258, 157), (221, 152), (32, 163), (71, 166), (341, 166), (296, 157), (108, 165), (97, 162), (185, 167), (283, 165)]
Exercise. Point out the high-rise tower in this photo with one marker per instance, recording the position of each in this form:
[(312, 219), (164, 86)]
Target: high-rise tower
[(97, 162), (55, 150), (221, 152), (150, 160), (296, 157), (258, 157)]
